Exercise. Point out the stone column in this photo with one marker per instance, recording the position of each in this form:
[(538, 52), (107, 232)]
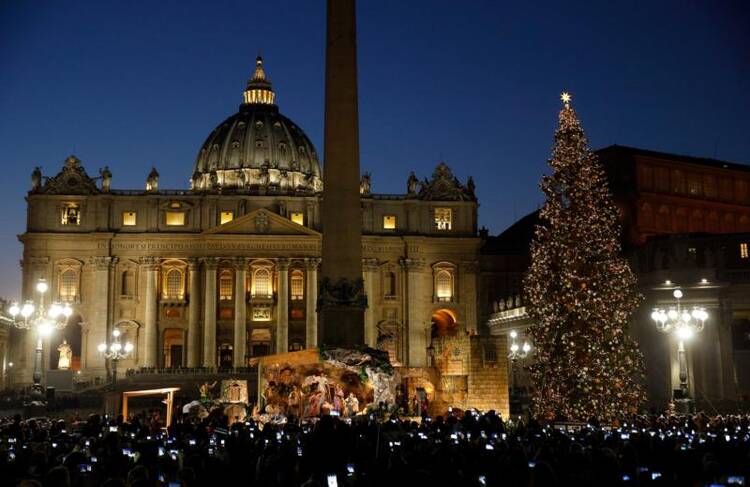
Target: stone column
[(723, 323), (194, 311), (311, 303), (415, 335), (240, 312), (282, 315), (96, 321), (209, 317), (370, 268), (467, 293), (150, 332)]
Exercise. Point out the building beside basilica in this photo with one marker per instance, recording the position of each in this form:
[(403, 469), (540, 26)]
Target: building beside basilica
[(686, 225), (226, 270)]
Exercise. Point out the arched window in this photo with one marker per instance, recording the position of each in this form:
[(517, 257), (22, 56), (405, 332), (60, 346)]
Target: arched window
[(262, 282), (68, 285), (174, 284), (297, 285), (225, 285), (444, 285), (127, 285)]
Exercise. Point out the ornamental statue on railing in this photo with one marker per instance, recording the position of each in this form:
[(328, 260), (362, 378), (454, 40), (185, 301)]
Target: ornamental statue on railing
[(72, 179), (444, 186), (342, 293)]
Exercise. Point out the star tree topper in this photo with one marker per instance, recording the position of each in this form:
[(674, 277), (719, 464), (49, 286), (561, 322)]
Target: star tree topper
[(565, 97)]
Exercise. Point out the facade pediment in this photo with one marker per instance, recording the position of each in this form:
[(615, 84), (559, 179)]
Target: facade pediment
[(261, 222)]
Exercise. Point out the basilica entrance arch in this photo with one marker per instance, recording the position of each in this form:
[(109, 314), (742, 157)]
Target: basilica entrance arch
[(444, 323)]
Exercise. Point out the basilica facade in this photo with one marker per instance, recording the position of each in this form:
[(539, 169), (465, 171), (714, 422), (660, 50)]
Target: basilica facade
[(227, 270)]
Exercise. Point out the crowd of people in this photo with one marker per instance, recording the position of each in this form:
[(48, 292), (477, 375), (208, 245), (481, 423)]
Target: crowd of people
[(471, 449)]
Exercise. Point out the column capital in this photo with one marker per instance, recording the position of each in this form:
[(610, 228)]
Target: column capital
[(412, 265), (193, 263), (102, 263), (32, 262), (283, 263), (210, 263), (241, 263), (312, 263), (370, 264), (150, 263)]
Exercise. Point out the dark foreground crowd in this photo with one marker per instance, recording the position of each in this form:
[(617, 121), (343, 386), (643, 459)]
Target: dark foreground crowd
[(473, 450)]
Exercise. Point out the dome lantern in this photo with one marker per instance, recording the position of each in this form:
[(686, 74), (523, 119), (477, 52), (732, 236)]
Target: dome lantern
[(258, 90)]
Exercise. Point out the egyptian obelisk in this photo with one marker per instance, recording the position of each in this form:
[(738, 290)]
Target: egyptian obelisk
[(341, 301)]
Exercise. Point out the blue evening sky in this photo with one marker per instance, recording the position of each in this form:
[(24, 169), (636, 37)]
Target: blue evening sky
[(475, 83)]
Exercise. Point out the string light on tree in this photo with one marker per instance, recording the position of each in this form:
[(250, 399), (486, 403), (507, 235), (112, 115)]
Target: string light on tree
[(580, 291)]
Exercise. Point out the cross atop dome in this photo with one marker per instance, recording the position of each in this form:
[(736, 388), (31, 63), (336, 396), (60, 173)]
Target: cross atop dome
[(258, 90)]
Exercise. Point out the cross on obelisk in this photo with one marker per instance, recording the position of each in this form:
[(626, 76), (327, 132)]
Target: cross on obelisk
[(341, 300)]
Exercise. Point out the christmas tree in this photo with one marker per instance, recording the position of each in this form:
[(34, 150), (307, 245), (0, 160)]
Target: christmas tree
[(581, 291)]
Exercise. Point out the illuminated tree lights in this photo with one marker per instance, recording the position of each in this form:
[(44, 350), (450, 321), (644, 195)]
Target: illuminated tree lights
[(580, 291)]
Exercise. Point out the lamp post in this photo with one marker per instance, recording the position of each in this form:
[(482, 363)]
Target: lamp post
[(517, 352), (684, 324), (44, 320), (115, 352)]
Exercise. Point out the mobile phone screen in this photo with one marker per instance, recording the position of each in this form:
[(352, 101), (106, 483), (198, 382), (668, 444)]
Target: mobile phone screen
[(332, 481)]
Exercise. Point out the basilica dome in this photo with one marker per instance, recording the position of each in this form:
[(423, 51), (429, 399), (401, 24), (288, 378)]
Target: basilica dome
[(257, 148)]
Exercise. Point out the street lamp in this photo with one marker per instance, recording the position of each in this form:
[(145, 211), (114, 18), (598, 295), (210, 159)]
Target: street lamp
[(684, 323), (517, 352), (115, 351), (44, 320)]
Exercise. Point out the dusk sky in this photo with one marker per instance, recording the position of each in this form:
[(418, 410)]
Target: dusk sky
[(475, 84)]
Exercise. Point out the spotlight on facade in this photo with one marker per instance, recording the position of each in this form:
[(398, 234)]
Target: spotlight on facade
[(684, 333), (45, 329), (41, 286)]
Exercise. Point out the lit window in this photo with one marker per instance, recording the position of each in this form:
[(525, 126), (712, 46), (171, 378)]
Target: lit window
[(71, 215), (443, 218), (694, 184), (174, 284), (175, 218), (226, 217), (128, 219), (298, 218), (444, 285), (743, 251), (68, 285), (389, 222), (297, 285), (709, 186), (225, 285), (262, 282), (127, 287)]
